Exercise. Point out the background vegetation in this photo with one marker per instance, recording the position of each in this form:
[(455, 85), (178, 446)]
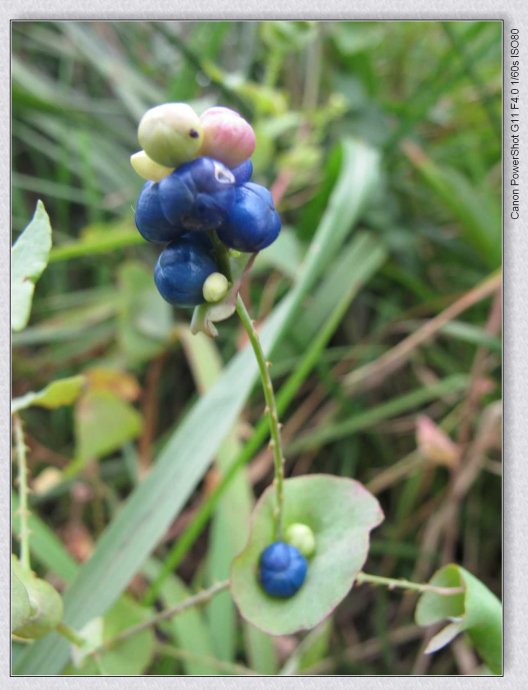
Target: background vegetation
[(400, 124)]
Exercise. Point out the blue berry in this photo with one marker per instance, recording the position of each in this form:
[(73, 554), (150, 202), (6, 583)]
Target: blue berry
[(197, 195), (182, 269), (243, 172), (150, 220), (252, 222), (282, 569)]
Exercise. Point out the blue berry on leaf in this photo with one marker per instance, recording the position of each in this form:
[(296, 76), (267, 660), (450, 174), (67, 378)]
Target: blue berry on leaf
[(183, 267), (282, 569), (252, 223)]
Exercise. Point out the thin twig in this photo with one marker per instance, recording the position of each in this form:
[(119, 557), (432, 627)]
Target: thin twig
[(201, 598), (392, 583), (395, 358), (20, 448)]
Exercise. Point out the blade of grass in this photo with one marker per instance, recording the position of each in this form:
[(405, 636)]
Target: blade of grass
[(135, 91), (230, 524), (403, 403), (476, 210)]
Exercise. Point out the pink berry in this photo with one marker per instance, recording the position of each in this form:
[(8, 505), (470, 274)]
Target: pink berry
[(227, 136)]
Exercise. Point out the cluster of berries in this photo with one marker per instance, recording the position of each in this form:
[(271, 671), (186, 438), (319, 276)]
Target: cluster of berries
[(198, 172)]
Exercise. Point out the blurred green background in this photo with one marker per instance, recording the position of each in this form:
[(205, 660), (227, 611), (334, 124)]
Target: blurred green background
[(418, 423)]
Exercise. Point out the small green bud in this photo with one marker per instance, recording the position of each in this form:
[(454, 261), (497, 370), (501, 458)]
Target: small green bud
[(302, 537), (215, 287), (147, 168), (46, 609), (170, 134)]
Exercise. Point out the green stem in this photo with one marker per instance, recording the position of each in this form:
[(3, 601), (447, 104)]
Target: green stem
[(20, 448), (201, 598), (391, 583), (70, 634), (271, 409)]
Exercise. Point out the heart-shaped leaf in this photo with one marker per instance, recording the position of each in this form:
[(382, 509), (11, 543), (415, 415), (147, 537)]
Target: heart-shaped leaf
[(341, 513)]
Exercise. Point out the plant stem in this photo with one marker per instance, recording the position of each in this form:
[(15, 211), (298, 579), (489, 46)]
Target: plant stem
[(284, 397), (391, 583), (271, 409), (200, 598), (70, 634), (20, 448)]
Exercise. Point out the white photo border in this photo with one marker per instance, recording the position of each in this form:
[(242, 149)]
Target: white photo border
[(514, 14)]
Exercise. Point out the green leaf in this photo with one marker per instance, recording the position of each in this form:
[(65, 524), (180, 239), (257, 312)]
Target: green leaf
[(29, 258), (341, 513), (157, 500), (56, 394), (103, 423), (476, 611), (476, 210)]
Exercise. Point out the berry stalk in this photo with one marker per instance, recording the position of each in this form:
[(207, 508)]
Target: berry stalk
[(222, 256), (271, 409)]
